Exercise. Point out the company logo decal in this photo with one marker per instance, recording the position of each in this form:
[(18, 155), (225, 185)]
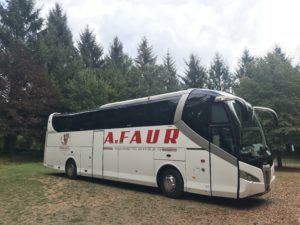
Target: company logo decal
[(169, 136), (64, 139)]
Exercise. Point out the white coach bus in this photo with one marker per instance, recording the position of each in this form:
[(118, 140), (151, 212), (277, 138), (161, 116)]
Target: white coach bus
[(198, 140)]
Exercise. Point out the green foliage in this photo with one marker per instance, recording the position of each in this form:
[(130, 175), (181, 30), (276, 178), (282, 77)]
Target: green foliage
[(219, 76), (30, 97), (86, 90), (20, 21), (27, 97), (145, 55), (58, 54), (118, 58), (195, 74), (57, 28), (156, 79), (114, 77), (90, 51), (170, 78), (274, 82), (116, 54), (40, 64), (245, 65)]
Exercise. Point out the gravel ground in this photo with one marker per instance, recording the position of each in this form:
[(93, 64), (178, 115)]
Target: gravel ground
[(92, 201)]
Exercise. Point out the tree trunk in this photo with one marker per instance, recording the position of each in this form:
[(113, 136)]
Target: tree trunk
[(279, 158), (9, 144)]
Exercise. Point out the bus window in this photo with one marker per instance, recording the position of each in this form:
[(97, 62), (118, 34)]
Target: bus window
[(132, 115), (223, 138), (221, 133), (109, 118), (196, 113), (162, 112), (218, 113), (61, 123)]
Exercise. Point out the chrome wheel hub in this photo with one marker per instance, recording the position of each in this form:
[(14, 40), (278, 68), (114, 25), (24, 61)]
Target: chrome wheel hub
[(169, 183)]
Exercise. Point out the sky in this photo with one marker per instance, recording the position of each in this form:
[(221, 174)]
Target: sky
[(202, 27)]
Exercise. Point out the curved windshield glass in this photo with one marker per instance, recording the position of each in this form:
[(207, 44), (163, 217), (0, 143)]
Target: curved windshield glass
[(253, 142)]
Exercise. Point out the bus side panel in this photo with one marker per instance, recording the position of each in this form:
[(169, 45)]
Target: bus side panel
[(65, 145), (80, 148), (137, 166), (53, 158), (110, 163), (224, 177), (54, 155), (85, 161), (197, 171)]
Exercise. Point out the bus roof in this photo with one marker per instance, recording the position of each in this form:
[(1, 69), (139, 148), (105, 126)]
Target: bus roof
[(145, 99), (161, 96)]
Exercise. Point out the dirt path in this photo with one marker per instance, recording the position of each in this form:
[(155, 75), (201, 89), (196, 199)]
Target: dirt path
[(101, 202), (90, 201)]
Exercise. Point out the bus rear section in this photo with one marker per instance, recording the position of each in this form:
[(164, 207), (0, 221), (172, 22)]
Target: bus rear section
[(199, 141)]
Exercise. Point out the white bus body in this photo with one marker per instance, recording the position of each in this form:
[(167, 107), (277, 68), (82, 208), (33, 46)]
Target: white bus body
[(171, 156)]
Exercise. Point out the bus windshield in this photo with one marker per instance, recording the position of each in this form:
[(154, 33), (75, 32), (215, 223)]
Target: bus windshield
[(253, 143)]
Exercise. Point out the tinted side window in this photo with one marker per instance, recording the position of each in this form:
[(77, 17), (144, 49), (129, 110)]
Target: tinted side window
[(109, 119), (97, 120), (222, 137), (132, 115), (218, 113), (162, 112), (61, 123), (157, 112), (196, 113)]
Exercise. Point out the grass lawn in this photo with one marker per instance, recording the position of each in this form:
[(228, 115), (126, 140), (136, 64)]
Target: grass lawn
[(32, 194)]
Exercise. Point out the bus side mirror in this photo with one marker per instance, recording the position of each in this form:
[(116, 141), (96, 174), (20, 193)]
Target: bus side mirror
[(267, 110)]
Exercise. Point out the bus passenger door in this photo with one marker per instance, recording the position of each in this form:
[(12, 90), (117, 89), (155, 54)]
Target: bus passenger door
[(224, 167), (97, 154)]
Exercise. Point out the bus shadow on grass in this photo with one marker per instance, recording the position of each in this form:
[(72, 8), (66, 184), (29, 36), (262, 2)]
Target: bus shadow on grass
[(242, 204)]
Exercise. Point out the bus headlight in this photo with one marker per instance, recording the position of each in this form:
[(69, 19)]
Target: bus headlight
[(248, 177)]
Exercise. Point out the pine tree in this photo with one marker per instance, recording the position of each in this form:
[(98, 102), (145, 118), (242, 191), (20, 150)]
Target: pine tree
[(219, 76), (145, 55), (57, 52), (279, 53), (171, 79), (27, 96), (57, 28), (116, 52), (195, 74), (87, 90), (90, 51), (20, 21), (245, 64), (275, 83)]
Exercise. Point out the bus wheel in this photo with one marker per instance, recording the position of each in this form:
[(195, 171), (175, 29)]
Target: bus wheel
[(71, 169), (171, 183)]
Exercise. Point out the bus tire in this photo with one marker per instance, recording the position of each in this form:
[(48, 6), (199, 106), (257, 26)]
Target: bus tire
[(171, 183), (71, 169)]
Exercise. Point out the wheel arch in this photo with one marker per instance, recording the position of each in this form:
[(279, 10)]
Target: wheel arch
[(71, 158), (165, 166)]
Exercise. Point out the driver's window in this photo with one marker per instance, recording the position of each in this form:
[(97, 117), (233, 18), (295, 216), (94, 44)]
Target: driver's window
[(223, 138), (218, 113), (221, 133)]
